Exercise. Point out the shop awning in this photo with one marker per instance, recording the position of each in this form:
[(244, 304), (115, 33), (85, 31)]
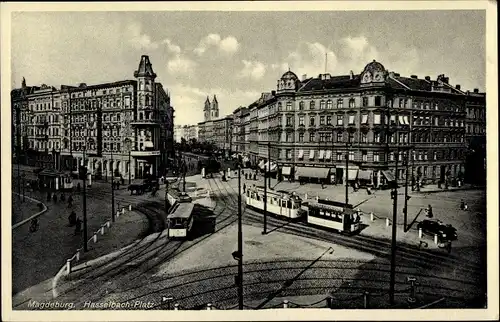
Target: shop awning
[(271, 168), (148, 144), (352, 174), (286, 171), (388, 175), (311, 154), (321, 154), (365, 174), (309, 172), (301, 154), (261, 164), (328, 155), (246, 159)]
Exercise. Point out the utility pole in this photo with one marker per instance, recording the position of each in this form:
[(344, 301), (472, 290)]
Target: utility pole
[(112, 190), (265, 199), (407, 162), (394, 194), (240, 244), (347, 172), (129, 164), (85, 239), (269, 161)]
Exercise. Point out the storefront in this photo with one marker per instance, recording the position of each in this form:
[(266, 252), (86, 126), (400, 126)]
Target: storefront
[(365, 178), (310, 174)]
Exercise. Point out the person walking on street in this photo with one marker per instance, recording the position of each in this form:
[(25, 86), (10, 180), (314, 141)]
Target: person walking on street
[(72, 218), (70, 201), (429, 212), (78, 226), (54, 197), (244, 188)]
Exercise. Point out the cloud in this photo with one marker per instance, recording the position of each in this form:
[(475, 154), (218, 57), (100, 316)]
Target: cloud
[(228, 45), (355, 53), (171, 47), (308, 58), (138, 39), (181, 65), (252, 69)]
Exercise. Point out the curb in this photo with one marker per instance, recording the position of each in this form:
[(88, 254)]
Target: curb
[(34, 216), (448, 190)]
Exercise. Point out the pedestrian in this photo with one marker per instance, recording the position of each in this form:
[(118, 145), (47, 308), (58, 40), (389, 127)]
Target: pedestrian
[(448, 246), (462, 204), (72, 218), (70, 201), (63, 197), (78, 226), (48, 196), (78, 187), (429, 212), (244, 188), (368, 190), (54, 197)]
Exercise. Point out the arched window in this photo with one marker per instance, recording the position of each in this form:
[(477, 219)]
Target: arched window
[(288, 106), (312, 104), (329, 104), (352, 103), (140, 116), (279, 106), (322, 105), (301, 106)]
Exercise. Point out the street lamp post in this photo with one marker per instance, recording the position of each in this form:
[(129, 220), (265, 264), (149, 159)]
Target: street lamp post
[(240, 244), (84, 171), (112, 190), (394, 226), (405, 209), (347, 172), (265, 194)]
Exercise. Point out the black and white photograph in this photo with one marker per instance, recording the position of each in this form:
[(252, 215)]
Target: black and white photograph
[(291, 160)]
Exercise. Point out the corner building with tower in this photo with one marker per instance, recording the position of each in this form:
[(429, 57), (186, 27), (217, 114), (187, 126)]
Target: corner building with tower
[(115, 127), (376, 118)]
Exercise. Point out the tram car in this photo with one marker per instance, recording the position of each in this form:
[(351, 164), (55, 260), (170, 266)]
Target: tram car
[(180, 220), (333, 215), (280, 203)]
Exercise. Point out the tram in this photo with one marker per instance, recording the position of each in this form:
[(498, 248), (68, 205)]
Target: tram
[(280, 203), (333, 215), (180, 220)]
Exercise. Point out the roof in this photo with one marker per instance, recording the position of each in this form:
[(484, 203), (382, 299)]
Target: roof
[(344, 81), (145, 68), (414, 83), (183, 210), (331, 207), (50, 173)]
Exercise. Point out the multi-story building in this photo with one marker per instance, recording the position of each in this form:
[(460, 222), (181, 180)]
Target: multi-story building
[(186, 132), (115, 127), (214, 129), (376, 118), (238, 130), (475, 136)]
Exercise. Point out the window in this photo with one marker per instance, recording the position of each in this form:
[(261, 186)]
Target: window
[(364, 156), (288, 137), (279, 106), (364, 138), (364, 119), (312, 137), (340, 120), (301, 106), (329, 120), (391, 156), (322, 105), (289, 153), (340, 103), (376, 157), (365, 101), (288, 120), (288, 106), (301, 120), (378, 101), (376, 137), (301, 137), (339, 156), (352, 103), (311, 120), (351, 137), (322, 137), (351, 119), (376, 118), (339, 137), (312, 105), (329, 104), (351, 155), (322, 120)]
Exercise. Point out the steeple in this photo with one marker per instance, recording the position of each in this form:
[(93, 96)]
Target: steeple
[(23, 84), (145, 68), (215, 99)]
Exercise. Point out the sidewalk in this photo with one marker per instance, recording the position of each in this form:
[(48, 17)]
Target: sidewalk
[(38, 256)]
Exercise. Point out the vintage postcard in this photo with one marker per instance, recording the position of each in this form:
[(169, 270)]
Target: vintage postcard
[(249, 161)]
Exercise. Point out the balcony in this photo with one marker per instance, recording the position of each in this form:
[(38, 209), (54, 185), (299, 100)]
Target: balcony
[(145, 153), (149, 122), (43, 124)]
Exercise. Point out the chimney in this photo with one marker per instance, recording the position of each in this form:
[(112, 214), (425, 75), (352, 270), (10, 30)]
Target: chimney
[(414, 76), (351, 74), (397, 74), (391, 74), (428, 78), (457, 86), (273, 93), (476, 90), (304, 77)]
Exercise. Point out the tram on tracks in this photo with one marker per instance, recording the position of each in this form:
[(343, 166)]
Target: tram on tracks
[(333, 215), (280, 203), (180, 220)]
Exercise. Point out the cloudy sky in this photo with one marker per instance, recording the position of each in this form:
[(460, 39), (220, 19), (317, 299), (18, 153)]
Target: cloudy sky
[(238, 55)]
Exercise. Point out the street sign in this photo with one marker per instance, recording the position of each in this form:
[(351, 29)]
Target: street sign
[(165, 299)]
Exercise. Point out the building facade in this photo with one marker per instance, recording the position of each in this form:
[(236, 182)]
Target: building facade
[(214, 129), (115, 127), (475, 136), (377, 119), (186, 132), (238, 130)]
